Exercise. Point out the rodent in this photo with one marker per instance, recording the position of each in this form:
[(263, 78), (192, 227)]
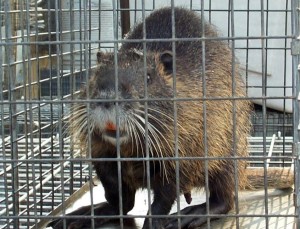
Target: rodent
[(208, 122)]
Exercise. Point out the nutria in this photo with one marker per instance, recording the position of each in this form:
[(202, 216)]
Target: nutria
[(140, 120)]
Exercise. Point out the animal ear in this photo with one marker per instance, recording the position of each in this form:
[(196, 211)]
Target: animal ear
[(166, 58), (103, 58), (99, 56)]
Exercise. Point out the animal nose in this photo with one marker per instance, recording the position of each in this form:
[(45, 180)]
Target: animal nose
[(108, 105), (105, 105)]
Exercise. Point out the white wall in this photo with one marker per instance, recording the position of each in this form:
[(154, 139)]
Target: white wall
[(279, 24)]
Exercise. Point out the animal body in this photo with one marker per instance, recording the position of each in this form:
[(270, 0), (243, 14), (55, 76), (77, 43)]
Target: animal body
[(129, 114)]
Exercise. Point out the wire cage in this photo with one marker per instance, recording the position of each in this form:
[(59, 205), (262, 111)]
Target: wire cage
[(48, 52)]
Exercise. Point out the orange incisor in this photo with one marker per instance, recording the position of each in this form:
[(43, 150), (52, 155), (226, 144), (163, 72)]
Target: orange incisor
[(110, 126)]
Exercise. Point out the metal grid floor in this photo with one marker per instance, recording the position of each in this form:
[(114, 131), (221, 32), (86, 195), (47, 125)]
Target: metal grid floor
[(44, 185)]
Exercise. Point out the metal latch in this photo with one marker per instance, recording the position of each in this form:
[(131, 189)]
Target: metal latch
[(296, 151), (295, 47)]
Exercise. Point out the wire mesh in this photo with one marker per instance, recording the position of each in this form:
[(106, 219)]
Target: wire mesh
[(48, 51)]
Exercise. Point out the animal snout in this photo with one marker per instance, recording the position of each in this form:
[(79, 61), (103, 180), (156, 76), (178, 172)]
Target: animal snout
[(104, 105), (108, 105)]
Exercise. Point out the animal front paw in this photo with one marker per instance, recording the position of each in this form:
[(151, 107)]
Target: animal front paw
[(80, 219)]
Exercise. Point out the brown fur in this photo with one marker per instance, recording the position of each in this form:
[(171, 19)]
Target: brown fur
[(213, 136)]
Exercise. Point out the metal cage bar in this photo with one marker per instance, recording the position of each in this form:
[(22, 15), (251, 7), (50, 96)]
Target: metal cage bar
[(48, 51), (295, 31)]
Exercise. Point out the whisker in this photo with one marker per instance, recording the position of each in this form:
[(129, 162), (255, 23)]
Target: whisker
[(142, 131), (166, 116), (152, 145), (138, 142), (135, 137), (129, 129)]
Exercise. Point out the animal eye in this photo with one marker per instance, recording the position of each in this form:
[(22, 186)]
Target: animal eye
[(148, 78)]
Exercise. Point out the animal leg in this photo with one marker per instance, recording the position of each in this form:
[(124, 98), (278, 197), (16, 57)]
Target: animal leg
[(220, 202), (164, 197), (111, 207)]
